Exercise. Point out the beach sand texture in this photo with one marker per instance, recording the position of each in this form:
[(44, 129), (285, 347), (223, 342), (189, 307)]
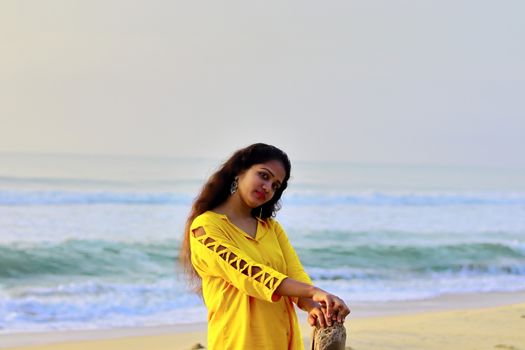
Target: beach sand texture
[(498, 328), (492, 328)]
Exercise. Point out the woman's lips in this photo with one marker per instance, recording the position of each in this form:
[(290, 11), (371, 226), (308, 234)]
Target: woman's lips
[(260, 195)]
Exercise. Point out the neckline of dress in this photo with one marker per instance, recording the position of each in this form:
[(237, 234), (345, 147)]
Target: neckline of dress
[(259, 220), (227, 218)]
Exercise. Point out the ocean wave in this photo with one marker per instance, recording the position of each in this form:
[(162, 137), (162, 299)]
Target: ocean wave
[(87, 258), (459, 270), (418, 288), (405, 199), (476, 257), (20, 261), (80, 284), (63, 197), (98, 304), (99, 197), (342, 273), (61, 182)]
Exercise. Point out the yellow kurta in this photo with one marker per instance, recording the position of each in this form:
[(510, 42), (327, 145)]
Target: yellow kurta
[(239, 277)]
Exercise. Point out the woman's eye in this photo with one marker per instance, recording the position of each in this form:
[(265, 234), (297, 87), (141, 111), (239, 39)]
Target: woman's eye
[(263, 175)]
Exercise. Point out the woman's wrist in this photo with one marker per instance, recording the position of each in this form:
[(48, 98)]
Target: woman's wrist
[(306, 304), (312, 291)]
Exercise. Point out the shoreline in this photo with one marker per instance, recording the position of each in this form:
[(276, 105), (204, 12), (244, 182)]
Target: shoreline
[(367, 315)]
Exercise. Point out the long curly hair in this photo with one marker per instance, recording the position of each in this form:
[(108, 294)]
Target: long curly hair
[(217, 189)]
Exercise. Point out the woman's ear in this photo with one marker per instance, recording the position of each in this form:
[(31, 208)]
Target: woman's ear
[(240, 175)]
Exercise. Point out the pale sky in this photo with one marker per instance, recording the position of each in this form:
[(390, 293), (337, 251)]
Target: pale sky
[(431, 82)]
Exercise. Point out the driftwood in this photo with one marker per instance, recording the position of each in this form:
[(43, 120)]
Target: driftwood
[(329, 338)]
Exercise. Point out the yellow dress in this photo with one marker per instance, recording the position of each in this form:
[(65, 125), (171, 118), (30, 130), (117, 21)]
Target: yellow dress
[(239, 277)]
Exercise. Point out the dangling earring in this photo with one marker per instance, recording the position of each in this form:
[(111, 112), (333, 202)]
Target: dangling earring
[(233, 187), (260, 213)]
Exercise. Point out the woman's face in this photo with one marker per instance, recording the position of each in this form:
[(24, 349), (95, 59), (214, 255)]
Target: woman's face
[(258, 184)]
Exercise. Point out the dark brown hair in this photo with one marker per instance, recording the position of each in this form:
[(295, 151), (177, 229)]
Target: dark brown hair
[(217, 189)]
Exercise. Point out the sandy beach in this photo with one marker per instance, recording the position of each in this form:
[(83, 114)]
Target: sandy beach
[(480, 321)]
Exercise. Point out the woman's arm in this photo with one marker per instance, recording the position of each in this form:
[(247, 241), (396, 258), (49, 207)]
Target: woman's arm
[(213, 254), (315, 312), (293, 288), (318, 303)]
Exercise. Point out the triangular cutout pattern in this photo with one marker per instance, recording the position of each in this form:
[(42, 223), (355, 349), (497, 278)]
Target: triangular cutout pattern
[(238, 263)]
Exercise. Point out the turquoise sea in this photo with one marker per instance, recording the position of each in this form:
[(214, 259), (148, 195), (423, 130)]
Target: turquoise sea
[(91, 241)]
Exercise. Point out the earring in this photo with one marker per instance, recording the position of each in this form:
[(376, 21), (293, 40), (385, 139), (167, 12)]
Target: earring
[(233, 187)]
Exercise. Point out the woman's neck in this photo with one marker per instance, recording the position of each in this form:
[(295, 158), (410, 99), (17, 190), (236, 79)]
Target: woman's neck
[(235, 208)]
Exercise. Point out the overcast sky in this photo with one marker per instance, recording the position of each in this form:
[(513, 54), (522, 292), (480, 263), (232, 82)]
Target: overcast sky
[(432, 82)]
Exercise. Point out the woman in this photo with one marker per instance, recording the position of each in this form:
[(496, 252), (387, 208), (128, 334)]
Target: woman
[(248, 273)]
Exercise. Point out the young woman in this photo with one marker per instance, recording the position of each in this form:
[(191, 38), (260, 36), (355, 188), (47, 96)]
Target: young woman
[(240, 258)]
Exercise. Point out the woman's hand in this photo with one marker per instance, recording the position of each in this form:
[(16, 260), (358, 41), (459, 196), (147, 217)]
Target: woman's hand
[(330, 308), (317, 314), (320, 305)]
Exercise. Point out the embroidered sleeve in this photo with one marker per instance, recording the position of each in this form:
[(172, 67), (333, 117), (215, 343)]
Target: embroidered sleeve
[(213, 254)]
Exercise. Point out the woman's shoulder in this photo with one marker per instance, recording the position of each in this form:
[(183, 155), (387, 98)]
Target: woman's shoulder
[(273, 224), (210, 218)]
